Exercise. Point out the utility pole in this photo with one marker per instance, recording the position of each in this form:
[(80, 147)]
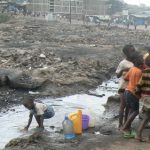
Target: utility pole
[(84, 11), (70, 12)]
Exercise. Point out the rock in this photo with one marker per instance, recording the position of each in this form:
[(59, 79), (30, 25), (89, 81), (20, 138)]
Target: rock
[(75, 80), (113, 99), (107, 129), (3, 60), (93, 45), (43, 72), (112, 107), (42, 56), (18, 79), (4, 80), (57, 59), (27, 140), (25, 81)]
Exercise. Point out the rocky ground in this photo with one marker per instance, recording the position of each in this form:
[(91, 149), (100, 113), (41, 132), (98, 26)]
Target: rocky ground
[(58, 59)]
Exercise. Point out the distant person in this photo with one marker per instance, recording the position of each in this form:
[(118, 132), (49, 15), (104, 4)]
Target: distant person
[(133, 77), (128, 24), (109, 24), (121, 71), (143, 88), (145, 24), (135, 25), (39, 110)]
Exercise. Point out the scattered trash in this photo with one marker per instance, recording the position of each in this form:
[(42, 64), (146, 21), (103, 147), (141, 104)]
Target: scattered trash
[(93, 45), (34, 93), (42, 56), (97, 133)]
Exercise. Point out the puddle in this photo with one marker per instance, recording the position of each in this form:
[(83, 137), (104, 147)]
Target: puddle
[(13, 121)]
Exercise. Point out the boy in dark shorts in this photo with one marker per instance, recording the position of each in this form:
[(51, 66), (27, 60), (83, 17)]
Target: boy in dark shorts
[(39, 110), (133, 76)]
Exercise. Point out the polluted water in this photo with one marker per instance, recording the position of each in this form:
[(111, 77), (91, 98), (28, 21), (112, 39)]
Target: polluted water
[(15, 119)]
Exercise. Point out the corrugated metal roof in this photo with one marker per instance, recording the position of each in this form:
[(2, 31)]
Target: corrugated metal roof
[(143, 14)]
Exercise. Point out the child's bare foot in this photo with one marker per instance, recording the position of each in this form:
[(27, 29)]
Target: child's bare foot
[(141, 139), (120, 127), (124, 130), (148, 139)]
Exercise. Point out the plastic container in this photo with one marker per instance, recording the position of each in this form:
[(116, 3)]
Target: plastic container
[(68, 129), (85, 122), (76, 118), (92, 118)]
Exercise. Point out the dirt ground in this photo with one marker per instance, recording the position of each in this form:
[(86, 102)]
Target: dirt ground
[(58, 59)]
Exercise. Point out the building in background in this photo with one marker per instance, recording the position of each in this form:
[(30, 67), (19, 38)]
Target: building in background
[(96, 7), (67, 7), (57, 6), (88, 7), (14, 6)]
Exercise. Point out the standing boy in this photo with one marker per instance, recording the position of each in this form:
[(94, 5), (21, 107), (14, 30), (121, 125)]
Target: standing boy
[(122, 69), (133, 76), (143, 87)]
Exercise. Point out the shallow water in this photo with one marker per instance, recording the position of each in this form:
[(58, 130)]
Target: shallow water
[(15, 119)]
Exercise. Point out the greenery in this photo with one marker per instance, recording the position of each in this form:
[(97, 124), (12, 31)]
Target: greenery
[(4, 18), (115, 6)]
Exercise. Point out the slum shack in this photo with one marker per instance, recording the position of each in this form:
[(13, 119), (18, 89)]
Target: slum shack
[(141, 18)]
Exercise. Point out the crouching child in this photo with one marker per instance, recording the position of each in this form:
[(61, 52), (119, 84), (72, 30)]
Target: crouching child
[(40, 111)]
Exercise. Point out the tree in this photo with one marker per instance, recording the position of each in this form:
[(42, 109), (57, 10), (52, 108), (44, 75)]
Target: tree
[(115, 6)]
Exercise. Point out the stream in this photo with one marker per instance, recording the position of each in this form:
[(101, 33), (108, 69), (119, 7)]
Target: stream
[(16, 118)]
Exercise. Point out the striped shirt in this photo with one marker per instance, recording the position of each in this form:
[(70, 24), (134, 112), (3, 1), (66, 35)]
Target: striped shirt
[(144, 83)]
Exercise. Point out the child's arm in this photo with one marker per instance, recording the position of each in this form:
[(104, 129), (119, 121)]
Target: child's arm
[(121, 72), (127, 76), (29, 121)]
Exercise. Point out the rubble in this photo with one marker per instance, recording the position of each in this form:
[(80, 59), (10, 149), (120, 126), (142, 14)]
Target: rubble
[(58, 59)]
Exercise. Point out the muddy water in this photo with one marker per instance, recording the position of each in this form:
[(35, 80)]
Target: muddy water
[(15, 119)]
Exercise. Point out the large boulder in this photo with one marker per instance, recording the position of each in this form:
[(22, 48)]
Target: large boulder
[(19, 79)]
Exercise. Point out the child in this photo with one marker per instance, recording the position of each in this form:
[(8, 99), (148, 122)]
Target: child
[(143, 87), (133, 76), (39, 110), (122, 69)]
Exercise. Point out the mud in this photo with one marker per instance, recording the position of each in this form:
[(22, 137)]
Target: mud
[(58, 59)]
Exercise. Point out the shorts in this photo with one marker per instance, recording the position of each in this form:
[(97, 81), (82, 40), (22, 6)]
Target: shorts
[(121, 91), (49, 113), (132, 101)]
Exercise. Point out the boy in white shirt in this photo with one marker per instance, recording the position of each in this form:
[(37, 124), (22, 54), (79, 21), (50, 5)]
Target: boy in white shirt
[(39, 110)]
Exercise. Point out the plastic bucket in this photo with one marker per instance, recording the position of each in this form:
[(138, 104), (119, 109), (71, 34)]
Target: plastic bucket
[(85, 122)]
